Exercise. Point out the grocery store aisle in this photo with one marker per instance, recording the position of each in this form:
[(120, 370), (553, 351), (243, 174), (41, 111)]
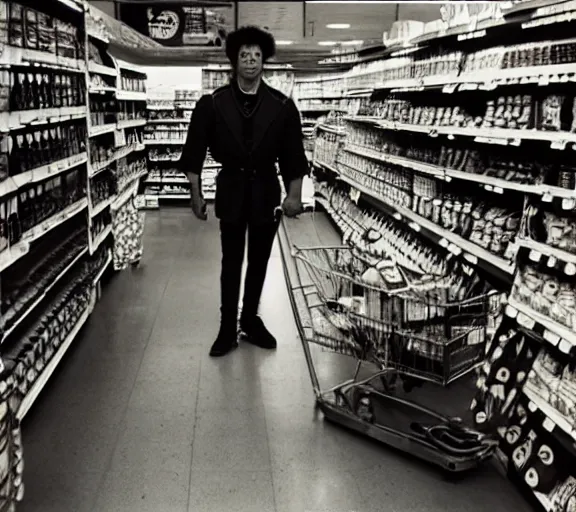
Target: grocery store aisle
[(139, 418)]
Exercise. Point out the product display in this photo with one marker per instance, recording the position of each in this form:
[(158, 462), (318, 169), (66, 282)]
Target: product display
[(68, 156), (452, 162), (165, 135), (128, 229)]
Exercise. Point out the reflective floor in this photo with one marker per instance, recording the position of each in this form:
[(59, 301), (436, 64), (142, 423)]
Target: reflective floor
[(140, 419)]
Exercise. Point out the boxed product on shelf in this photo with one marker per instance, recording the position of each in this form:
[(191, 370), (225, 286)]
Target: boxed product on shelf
[(37, 30)]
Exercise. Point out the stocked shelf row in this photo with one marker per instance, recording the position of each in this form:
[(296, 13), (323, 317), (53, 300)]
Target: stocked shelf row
[(465, 149), (71, 134)]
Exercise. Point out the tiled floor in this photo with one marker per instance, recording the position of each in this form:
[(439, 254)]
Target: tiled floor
[(140, 419)]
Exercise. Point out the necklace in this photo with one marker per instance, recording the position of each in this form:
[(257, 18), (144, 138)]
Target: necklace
[(248, 92)]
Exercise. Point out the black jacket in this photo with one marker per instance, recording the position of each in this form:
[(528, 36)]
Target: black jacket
[(248, 184)]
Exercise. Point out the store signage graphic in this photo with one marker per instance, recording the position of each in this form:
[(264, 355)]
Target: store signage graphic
[(178, 24)]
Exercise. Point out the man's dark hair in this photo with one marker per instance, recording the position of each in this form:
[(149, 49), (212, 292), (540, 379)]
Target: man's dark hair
[(250, 36)]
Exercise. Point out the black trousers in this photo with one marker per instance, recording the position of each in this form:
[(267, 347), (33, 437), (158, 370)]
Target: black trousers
[(233, 239)]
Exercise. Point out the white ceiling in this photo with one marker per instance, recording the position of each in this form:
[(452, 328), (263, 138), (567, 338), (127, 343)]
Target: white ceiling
[(287, 19), (367, 20)]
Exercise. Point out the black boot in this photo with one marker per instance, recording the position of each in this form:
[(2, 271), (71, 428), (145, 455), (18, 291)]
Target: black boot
[(226, 341), (254, 331)]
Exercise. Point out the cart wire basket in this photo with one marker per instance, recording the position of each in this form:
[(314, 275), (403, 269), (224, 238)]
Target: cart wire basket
[(408, 326), (382, 315)]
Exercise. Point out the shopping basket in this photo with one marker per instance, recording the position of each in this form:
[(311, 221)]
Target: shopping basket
[(407, 326)]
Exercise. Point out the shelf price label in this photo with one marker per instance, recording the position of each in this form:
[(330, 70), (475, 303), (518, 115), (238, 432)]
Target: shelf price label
[(544, 80), (550, 337), (449, 88), (472, 86), (489, 86), (354, 195), (558, 144)]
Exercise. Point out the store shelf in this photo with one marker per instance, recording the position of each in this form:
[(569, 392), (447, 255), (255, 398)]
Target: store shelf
[(332, 129), (553, 417), (102, 271), (169, 181), (557, 335), (12, 184), (102, 90), (95, 131), (21, 118), (94, 34), (42, 379), (43, 295), (22, 56), (489, 183), (474, 254), (168, 121), (327, 167), (120, 153), (168, 142), (498, 136), (131, 95), (12, 254), (170, 196), (131, 123), (101, 206), (488, 79), (99, 240), (556, 257), (99, 69)]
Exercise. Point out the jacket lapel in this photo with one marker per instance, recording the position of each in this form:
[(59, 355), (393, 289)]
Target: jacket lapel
[(227, 107), (268, 110)]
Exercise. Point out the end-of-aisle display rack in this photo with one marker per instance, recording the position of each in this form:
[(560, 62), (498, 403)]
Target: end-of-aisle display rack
[(71, 158), (447, 164)]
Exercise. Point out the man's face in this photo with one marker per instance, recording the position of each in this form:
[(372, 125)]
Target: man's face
[(249, 62)]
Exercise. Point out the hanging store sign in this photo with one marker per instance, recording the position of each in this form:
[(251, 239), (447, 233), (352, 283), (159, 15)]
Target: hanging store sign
[(181, 24)]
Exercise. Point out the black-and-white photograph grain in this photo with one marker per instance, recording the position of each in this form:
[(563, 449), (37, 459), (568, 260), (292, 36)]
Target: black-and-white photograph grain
[(287, 256)]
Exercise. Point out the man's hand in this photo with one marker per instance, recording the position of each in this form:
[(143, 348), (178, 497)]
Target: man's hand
[(292, 206), (198, 205)]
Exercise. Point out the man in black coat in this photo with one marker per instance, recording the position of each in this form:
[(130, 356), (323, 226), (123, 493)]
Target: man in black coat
[(248, 127)]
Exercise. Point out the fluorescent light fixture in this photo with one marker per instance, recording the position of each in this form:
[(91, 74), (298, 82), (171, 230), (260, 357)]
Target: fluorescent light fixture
[(356, 42), (327, 43), (284, 43), (360, 2), (338, 25)]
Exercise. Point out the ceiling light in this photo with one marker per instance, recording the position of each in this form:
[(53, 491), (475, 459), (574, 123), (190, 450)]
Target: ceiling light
[(284, 43), (357, 2), (338, 25), (327, 43), (356, 42)]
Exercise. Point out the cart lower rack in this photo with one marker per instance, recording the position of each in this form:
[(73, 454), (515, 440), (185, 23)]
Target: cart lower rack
[(411, 330)]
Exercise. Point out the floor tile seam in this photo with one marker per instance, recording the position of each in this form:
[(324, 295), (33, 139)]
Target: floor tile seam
[(194, 424), (122, 430)]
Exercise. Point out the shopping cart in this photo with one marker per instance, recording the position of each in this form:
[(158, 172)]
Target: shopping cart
[(411, 329)]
